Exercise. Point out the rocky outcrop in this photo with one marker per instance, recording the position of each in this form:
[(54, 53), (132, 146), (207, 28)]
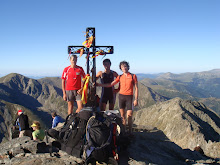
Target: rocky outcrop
[(148, 147), (186, 123), (5, 121), (24, 151), (152, 146)]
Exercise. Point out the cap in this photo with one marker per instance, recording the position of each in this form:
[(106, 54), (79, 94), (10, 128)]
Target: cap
[(34, 125), (19, 111)]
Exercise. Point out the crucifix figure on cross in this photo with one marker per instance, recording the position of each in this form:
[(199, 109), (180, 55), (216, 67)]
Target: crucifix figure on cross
[(92, 51)]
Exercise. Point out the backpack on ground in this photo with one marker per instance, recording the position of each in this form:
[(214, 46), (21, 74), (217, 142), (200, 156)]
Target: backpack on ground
[(72, 134), (101, 136)]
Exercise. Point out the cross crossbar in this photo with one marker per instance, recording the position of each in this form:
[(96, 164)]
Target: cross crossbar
[(77, 49)]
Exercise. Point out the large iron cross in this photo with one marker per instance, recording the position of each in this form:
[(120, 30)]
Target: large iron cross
[(91, 50)]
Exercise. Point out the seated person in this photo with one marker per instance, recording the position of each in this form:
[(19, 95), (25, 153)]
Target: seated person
[(38, 133), (56, 119)]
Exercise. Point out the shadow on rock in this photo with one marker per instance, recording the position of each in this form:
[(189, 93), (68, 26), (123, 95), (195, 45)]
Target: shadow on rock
[(153, 146)]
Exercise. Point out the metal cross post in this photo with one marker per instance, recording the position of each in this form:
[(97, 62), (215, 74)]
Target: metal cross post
[(91, 50)]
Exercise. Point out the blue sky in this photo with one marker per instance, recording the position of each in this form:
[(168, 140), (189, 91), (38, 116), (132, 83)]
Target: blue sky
[(152, 35)]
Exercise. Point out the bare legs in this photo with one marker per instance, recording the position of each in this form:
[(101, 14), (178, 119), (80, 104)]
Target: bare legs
[(129, 117), (70, 107), (79, 105), (71, 104)]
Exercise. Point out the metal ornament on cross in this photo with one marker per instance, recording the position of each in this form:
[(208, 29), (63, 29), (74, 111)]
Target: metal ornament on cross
[(91, 50)]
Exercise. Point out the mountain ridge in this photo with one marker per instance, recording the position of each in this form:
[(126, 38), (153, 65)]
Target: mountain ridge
[(185, 122)]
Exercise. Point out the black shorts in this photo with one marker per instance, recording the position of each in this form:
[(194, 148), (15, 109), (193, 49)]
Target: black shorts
[(126, 101), (72, 95), (107, 96), (110, 99)]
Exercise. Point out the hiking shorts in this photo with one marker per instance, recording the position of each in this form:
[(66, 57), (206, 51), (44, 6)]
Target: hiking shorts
[(126, 101), (72, 95), (110, 98), (108, 95)]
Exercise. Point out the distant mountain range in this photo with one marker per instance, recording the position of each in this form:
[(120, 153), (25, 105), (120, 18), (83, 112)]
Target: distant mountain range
[(152, 76), (200, 86), (188, 75)]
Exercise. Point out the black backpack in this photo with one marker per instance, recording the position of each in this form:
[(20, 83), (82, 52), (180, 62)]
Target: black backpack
[(102, 137), (72, 134)]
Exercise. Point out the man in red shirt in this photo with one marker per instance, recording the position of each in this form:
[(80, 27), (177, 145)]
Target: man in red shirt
[(127, 81), (72, 84)]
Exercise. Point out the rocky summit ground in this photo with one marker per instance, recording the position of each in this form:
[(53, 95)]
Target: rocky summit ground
[(164, 134), (149, 146)]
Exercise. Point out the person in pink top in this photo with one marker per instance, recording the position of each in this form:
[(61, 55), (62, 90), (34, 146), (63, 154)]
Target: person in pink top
[(72, 84)]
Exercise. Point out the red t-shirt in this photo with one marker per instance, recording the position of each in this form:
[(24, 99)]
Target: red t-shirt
[(126, 83), (73, 77)]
